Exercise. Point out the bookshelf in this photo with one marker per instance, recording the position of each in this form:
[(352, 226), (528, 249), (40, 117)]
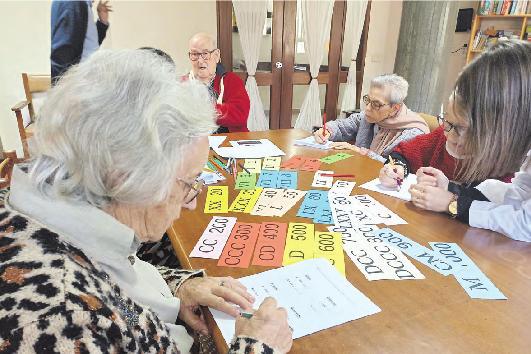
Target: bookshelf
[(493, 20)]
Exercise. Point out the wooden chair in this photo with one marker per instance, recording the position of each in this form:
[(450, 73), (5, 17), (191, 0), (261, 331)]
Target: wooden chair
[(430, 120), (6, 168), (33, 84)]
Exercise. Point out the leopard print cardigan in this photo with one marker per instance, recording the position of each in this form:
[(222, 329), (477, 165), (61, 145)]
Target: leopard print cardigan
[(54, 299)]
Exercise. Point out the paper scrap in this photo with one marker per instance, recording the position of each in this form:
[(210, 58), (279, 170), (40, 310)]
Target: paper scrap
[(320, 181), (245, 200), (217, 200), (253, 165), (245, 181), (240, 245), (299, 243), (403, 193), (335, 158), (271, 163), (311, 164)]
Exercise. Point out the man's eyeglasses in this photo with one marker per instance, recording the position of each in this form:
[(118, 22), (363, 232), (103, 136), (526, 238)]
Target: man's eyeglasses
[(194, 190), (204, 55), (447, 126), (374, 105)]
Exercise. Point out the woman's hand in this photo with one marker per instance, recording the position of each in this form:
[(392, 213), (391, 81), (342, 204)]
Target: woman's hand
[(320, 138), (342, 145), (430, 176), (388, 177), (212, 292), (430, 198), (269, 324)]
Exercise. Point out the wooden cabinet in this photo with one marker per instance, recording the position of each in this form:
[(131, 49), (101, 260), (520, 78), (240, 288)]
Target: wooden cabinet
[(484, 21)]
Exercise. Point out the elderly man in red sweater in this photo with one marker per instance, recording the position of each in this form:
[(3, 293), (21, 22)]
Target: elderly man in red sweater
[(226, 88)]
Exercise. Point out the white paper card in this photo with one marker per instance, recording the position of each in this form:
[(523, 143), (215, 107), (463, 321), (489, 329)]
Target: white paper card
[(321, 181), (342, 187), (313, 292)]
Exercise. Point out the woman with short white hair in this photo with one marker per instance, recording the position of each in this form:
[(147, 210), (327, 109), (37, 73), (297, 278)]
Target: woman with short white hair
[(119, 146), (385, 122)]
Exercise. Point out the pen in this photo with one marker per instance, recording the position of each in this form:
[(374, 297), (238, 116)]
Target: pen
[(246, 170), (221, 164), (247, 314), (327, 175), (324, 125), (219, 158), (398, 182)]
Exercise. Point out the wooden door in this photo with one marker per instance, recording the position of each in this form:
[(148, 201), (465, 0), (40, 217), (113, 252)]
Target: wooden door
[(277, 84)]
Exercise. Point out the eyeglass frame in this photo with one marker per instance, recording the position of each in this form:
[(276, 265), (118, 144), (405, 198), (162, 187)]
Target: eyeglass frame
[(193, 188), (368, 101), (455, 127), (201, 55)]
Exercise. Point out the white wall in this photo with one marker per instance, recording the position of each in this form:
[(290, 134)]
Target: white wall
[(25, 42)]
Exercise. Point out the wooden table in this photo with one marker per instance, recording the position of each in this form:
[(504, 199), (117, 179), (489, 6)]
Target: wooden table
[(434, 315)]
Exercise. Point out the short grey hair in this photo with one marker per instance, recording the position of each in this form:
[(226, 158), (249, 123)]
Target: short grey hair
[(395, 85), (211, 37), (116, 129)]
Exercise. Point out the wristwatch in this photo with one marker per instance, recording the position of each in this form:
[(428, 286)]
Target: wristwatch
[(452, 207)]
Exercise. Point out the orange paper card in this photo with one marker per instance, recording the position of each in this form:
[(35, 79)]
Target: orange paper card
[(294, 162), (311, 164), (273, 232), (240, 245), (269, 248)]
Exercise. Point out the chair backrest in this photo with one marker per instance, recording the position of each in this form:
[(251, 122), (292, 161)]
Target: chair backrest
[(430, 120), (33, 86), (6, 167)]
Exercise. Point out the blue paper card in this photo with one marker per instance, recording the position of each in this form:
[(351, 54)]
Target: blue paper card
[(470, 277), (415, 250), (287, 180), (323, 215), (267, 179), (312, 200)]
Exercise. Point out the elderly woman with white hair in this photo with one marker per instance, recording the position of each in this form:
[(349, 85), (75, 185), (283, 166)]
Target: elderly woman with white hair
[(119, 146), (385, 122)]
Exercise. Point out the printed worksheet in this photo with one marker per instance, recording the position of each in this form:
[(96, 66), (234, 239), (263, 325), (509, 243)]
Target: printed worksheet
[(403, 193), (314, 293)]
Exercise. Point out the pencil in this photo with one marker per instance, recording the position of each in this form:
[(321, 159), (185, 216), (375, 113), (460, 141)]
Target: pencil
[(208, 169), (327, 175), (398, 183), (221, 164), (246, 170), (211, 165), (215, 164)]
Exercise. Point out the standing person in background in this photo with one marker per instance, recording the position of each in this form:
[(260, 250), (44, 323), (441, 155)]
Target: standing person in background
[(385, 122), (75, 35), (226, 89)]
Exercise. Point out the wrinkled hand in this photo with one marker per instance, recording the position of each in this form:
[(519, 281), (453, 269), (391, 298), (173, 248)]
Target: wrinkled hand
[(103, 11), (430, 198), (430, 176), (269, 324), (320, 138), (207, 291), (388, 177), (342, 145)]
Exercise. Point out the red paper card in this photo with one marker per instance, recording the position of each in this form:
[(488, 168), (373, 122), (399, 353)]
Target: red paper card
[(311, 164), (294, 162), (268, 254), (240, 245), (269, 249)]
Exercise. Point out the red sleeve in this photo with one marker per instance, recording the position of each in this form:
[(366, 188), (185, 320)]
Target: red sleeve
[(234, 110), (420, 151)]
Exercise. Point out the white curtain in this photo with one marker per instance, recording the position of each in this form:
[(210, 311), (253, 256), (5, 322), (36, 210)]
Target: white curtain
[(317, 16), (354, 23), (251, 16)]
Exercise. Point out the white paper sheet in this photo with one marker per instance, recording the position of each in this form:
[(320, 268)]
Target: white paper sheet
[(403, 194), (314, 293), (216, 140), (250, 149), (310, 142)]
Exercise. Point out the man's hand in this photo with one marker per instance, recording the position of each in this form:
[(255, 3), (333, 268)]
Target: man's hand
[(103, 11)]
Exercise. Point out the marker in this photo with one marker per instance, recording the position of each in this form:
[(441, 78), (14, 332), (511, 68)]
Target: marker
[(247, 315), (327, 175), (246, 170), (221, 164), (398, 182)]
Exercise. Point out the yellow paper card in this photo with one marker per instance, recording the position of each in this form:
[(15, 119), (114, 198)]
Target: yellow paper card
[(253, 165), (328, 243), (217, 200), (245, 200), (337, 260), (299, 243), (271, 163)]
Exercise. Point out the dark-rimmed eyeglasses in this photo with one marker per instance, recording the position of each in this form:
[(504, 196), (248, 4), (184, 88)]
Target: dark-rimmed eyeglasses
[(204, 55), (374, 105), (194, 190), (447, 126)]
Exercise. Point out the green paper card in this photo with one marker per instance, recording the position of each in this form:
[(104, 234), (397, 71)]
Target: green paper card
[(335, 158), (245, 181)]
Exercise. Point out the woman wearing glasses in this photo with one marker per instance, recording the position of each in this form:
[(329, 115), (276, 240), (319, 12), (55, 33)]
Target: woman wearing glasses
[(494, 100), (385, 122), (119, 146), (442, 149)]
